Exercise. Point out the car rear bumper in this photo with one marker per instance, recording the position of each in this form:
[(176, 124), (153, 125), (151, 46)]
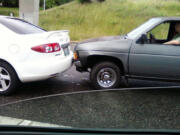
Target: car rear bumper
[(41, 70)]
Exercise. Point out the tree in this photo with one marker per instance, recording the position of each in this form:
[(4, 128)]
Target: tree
[(10, 3), (88, 1), (100, 0), (52, 3), (84, 1)]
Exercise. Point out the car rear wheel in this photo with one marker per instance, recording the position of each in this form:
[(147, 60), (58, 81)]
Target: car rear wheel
[(105, 75), (8, 79)]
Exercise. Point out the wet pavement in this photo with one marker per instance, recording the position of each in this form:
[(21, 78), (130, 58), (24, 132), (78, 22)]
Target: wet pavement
[(147, 109), (136, 109), (70, 81)]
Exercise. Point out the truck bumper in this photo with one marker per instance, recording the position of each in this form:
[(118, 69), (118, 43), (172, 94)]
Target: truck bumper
[(79, 66)]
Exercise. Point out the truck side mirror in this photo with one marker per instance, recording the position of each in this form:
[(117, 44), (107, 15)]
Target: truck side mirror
[(143, 39)]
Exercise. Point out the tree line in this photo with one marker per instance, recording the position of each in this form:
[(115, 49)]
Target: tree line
[(49, 3)]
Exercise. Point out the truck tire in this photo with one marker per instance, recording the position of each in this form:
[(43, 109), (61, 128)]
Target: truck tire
[(8, 79), (105, 75)]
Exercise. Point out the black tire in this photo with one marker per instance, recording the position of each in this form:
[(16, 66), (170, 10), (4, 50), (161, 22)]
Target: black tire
[(14, 81), (105, 65)]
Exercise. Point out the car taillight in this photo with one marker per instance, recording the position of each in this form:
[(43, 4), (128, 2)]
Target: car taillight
[(75, 56), (47, 48)]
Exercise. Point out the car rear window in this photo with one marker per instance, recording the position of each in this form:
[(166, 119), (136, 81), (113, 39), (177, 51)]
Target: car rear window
[(20, 26)]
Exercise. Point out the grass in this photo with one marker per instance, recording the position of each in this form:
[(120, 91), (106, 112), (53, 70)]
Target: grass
[(113, 17)]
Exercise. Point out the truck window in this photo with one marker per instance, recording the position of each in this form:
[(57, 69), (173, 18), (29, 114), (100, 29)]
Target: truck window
[(160, 32)]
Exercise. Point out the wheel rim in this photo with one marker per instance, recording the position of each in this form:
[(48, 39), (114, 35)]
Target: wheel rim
[(106, 77), (5, 79)]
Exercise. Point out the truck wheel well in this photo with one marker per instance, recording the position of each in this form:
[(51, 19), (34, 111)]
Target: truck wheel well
[(92, 60)]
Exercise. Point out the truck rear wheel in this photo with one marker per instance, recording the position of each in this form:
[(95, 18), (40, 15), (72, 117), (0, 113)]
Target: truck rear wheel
[(105, 75)]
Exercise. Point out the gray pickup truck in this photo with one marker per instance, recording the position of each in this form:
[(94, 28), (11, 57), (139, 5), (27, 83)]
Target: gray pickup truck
[(140, 54)]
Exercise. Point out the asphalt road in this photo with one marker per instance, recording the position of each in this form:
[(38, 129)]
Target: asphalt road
[(143, 109), (133, 109), (70, 81)]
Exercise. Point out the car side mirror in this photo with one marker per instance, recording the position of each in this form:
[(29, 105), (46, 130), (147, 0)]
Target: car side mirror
[(143, 39)]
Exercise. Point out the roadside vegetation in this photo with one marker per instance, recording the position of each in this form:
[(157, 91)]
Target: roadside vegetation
[(49, 3), (112, 17)]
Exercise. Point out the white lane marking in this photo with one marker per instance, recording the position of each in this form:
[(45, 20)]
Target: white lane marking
[(25, 123), (4, 120)]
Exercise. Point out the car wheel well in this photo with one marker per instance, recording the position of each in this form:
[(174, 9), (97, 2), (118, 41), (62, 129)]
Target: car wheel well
[(1, 60), (93, 60)]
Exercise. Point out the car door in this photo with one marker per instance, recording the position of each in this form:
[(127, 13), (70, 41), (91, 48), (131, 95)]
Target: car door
[(155, 60)]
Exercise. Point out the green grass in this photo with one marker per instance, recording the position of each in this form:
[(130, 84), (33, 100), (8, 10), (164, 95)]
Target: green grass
[(7, 11), (112, 17)]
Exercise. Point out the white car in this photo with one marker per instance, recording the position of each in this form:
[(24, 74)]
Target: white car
[(29, 53)]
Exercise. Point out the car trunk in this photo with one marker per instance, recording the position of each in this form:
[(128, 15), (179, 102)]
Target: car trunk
[(61, 37)]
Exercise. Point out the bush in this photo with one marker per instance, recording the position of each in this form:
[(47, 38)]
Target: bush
[(10, 3), (100, 0), (60, 2), (88, 1), (49, 3), (84, 1), (52, 3)]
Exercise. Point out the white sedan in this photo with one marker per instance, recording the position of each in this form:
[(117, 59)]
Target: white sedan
[(29, 53)]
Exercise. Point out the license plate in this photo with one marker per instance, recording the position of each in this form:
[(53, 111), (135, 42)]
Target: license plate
[(66, 51)]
